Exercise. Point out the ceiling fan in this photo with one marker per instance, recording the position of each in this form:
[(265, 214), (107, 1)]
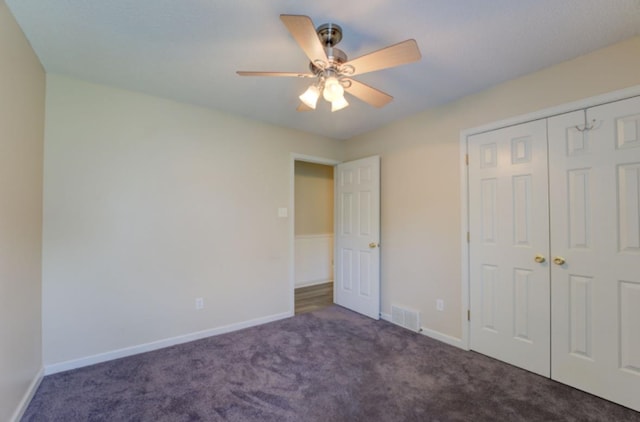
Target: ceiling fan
[(331, 69)]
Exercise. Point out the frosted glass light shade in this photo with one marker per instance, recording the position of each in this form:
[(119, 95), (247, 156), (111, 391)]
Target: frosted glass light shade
[(338, 104), (310, 96), (333, 90)]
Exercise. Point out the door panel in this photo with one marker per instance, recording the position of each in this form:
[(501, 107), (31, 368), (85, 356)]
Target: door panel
[(595, 227), (628, 202), (508, 217), (580, 315), (579, 208), (357, 285)]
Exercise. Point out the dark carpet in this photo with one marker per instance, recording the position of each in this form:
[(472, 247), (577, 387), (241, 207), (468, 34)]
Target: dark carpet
[(329, 365)]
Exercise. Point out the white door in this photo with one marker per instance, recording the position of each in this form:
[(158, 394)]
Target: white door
[(595, 229), (508, 220), (357, 252)]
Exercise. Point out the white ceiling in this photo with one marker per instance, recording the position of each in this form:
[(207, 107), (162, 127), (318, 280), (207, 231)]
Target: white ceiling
[(189, 50)]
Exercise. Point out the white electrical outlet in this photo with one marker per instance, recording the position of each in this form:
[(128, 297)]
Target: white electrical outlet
[(440, 305), (199, 303)]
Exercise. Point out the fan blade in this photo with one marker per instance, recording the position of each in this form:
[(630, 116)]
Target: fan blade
[(304, 107), (302, 29), (290, 74), (394, 55), (368, 94)]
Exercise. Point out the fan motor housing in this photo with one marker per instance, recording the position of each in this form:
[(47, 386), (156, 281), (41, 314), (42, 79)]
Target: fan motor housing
[(336, 57), (330, 34)]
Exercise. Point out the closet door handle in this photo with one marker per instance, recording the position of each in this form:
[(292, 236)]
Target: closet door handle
[(558, 260), (539, 259)]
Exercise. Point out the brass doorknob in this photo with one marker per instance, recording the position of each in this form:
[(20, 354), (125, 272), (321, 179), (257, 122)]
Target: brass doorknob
[(558, 260), (373, 245), (539, 259)]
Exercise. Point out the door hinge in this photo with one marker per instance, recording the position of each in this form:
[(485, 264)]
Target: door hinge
[(468, 315), (466, 159), (468, 237)]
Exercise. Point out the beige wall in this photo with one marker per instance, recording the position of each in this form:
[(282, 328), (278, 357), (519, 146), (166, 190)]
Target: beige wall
[(22, 91), (421, 206), (151, 203), (313, 198)]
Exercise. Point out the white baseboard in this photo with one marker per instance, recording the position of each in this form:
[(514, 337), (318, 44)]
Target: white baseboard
[(445, 338), (436, 335), (313, 283), (28, 395), (155, 345)]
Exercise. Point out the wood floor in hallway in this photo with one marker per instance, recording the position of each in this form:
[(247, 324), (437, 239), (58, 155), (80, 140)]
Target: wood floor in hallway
[(312, 298)]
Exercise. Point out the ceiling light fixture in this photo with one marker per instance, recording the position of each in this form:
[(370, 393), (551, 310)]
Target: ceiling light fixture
[(332, 89), (310, 96), (339, 104)]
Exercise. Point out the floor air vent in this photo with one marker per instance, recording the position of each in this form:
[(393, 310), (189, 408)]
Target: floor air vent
[(405, 318)]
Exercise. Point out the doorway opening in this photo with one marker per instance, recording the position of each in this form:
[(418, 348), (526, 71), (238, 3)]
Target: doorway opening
[(313, 235)]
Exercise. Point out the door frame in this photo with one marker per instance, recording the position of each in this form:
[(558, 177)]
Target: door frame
[(292, 216), (588, 102)]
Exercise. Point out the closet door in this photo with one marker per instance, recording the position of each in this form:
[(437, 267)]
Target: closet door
[(595, 240), (509, 233)]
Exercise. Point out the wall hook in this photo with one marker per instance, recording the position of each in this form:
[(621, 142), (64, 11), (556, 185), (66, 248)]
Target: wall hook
[(586, 126)]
